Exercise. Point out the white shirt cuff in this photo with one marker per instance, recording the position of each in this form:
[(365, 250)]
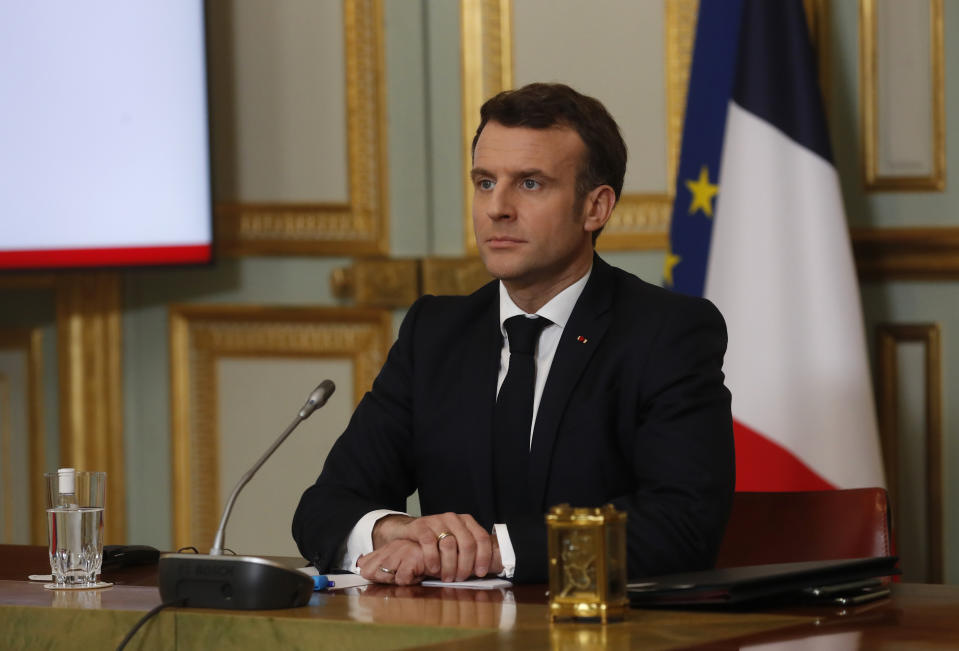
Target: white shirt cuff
[(360, 540), (506, 553)]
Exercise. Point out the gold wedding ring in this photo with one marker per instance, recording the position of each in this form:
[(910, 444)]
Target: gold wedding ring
[(444, 534), (387, 570)]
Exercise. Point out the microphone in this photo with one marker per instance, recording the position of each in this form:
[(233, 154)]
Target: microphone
[(216, 580)]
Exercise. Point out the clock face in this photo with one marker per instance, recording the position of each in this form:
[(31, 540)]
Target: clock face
[(578, 564)]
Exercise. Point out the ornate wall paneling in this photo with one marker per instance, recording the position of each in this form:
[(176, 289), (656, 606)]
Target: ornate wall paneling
[(901, 54), (89, 350), (21, 436), (378, 282), (641, 219), (89, 353), (490, 63), (397, 283), (229, 364), (817, 19), (906, 253), (264, 162), (909, 380)]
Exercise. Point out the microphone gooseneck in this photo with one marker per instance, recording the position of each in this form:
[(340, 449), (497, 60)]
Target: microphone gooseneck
[(218, 580), (316, 399)]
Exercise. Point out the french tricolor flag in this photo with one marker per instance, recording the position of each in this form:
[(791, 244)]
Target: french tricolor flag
[(758, 228)]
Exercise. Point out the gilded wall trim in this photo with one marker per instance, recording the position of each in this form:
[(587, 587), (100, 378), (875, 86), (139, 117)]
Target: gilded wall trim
[(397, 283), (868, 100), (817, 20), (881, 254), (89, 352), (906, 253), (199, 336), (378, 283), (362, 225), (453, 275), (640, 221), (889, 336), (486, 58)]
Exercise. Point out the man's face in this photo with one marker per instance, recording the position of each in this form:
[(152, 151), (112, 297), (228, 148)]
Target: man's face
[(531, 229)]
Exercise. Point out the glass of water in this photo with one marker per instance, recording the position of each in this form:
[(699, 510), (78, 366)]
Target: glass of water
[(75, 502)]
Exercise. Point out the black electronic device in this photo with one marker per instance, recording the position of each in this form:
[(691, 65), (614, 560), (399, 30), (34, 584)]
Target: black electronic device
[(115, 556), (749, 584), (216, 580)]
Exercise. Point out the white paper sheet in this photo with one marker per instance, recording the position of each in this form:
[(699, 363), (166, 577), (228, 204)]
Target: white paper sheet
[(472, 584)]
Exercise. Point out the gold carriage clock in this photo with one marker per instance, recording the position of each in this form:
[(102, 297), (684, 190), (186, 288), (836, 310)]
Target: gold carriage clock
[(587, 563)]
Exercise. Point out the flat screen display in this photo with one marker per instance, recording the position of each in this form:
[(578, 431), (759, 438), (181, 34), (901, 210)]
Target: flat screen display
[(104, 146)]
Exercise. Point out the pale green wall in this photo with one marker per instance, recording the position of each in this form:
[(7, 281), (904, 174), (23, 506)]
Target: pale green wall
[(30, 309), (903, 301), (880, 209), (444, 103)]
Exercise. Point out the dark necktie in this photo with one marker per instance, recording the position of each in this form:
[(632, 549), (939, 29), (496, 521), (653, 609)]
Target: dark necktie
[(513, 417)]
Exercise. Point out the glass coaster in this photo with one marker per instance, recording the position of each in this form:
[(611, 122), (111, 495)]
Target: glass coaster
[(95, 586)]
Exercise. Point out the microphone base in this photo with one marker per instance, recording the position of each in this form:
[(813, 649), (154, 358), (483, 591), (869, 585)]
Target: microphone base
[(232, 582)]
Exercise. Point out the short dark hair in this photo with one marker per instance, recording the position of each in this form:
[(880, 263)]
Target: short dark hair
[(541, 106)]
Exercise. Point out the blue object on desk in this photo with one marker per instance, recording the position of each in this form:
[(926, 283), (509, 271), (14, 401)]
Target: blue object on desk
[(320, 582)]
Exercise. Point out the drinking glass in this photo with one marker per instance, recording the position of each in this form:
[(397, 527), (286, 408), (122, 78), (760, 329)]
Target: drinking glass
[(75, 501)]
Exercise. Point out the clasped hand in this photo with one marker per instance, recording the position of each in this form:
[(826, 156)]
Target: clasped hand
[(406, 550)]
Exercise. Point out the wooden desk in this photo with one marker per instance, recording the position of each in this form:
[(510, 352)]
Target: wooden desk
[(386, 617)]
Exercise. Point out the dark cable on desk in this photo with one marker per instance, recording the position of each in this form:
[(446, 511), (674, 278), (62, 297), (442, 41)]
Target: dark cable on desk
[(143, 620)]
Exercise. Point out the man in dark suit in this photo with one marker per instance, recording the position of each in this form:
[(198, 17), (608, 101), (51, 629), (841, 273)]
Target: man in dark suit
[(618, 396)]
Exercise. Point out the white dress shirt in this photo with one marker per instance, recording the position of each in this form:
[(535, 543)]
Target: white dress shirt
[(557, 311)]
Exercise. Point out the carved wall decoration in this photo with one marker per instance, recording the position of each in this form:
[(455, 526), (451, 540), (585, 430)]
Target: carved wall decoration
[(200, 335), (889, 338)]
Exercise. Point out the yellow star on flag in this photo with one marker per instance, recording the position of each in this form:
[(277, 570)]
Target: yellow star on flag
[(703, 192), (671, 261)]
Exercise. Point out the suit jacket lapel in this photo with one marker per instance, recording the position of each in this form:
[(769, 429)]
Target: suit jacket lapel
[(480, 369), (590, 319)]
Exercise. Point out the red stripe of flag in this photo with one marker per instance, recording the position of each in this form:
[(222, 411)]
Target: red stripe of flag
[(763, 465)]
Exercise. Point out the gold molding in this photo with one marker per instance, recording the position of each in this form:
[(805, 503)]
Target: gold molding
[(486, 60), (397, 283), (640, 221), (378, 283), (89, 351), (868, 108), (880, 254), (200, 335), (817, 20), (906, 253), (889, 336), (453, 276), (360, 226)]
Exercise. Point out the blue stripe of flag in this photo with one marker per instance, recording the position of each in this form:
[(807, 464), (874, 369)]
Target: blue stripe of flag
[(710, 85), (776, 75)]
